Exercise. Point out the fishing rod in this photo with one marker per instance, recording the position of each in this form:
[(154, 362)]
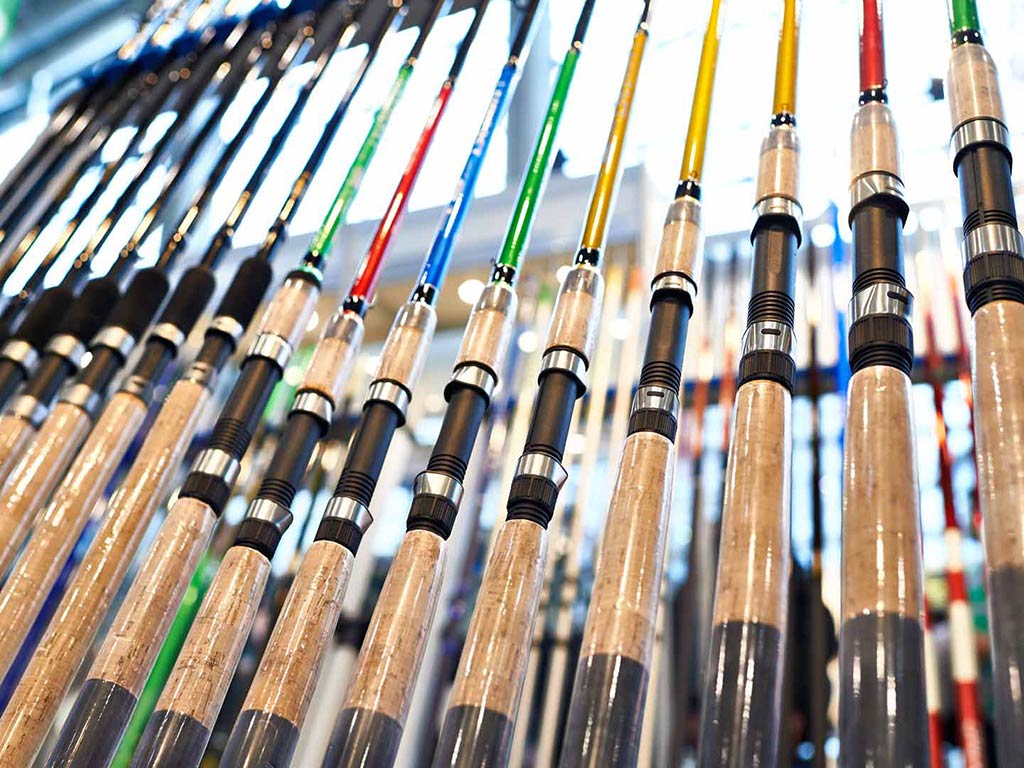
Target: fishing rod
[(60, 524), (993, 253), (963, 648), (482, 706), (615, 657), (932, 691), (882, 706), (743, 681), (114, 683), (225, 620)]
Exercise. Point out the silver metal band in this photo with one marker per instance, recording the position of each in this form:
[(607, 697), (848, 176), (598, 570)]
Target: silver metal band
[(473, 375), (656, 399), (139, 386), (20, 353), (272, 347), (983, 130), (875, 183), (344, 508), (542, 465), (675, 281), (768, 336), (228, 326), (566, 360), (214, 461), (436, 484), (992, 238), (30, 409), (82, 396), (270, 512), (315, 404), (779, 206), (116, 338), (170, 333), (202, 374), (390, 392), (881, 299), (67, 346)]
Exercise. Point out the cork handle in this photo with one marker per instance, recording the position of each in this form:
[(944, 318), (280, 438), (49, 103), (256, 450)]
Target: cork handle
[(60, 653), (497, 648), (779, 166), (627, 581), (577, 314), (37, 474), (873, 141), (214, 644), (127, 655), (973, 85), (15, 434), (489, 329), (334, 357), (753, 574), (290, 666), (389, 661), (288, 312), (998, 365), (682, 241), (57, 529), (408, 344)]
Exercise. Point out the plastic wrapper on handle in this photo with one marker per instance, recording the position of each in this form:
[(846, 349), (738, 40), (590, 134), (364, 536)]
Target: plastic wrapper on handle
[(37, 474), (15, 434), (973, 85), (58, 527), (275, 708), (63, 648)]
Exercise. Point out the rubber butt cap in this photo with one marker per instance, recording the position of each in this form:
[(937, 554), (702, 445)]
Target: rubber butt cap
[(189, 299), (141, 302), (245, 294), (44, 316), (92, 307)]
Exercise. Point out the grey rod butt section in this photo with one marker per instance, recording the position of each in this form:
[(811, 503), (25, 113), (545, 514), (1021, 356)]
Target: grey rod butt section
[(171, 740), (260, 740), (363, 739), (93, 730), (1006, 618), (473, 737)]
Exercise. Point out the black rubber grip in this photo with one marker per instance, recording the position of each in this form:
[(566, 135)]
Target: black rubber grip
[(140, 303), (189, 299), (91, 308), (246, 292), (44, 316)]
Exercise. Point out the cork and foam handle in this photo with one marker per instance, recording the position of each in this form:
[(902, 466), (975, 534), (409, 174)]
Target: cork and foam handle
[(489, 329), (334, 357), (973, 85), (36, 475), (408, 345), (15, 434), (275, 708), (576, 318), (288, 312), (60, 653), (58, 527)]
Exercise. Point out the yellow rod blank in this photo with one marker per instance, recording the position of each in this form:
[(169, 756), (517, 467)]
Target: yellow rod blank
[(700, 113), (785, 73)]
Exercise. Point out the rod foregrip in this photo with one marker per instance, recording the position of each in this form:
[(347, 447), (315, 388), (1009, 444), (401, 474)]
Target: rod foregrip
[(275, 708), (179, 729), (743, 684), (60, 653), (484, 700), (408, 345), (576, 318), (108, 697), (15, 435), (57, 528), (334, 357), (882, 718), (778, 174), (609, 692), (972, 84), (489, 331)]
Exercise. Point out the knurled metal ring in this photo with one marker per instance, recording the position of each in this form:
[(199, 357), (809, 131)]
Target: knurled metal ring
[(228, 326), (390, 392), (28, 408), (214, 461), (566, 360), (675, 281), (344, 508), (768, 335), (316, 404), (170, 333), (473, 375), (116, 338), (437, 484), (656, 399), (67, 346), (981, 130), (20, 353), (875, 183), (541, 465), (991, 238), (272, 347), (82, 396), (881, 299), (271, 512)]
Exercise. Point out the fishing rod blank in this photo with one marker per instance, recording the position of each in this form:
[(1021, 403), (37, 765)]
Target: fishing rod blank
[(117, 676), (993, 252), (479, 722), (609, 692), (743, 682), (195, 690)]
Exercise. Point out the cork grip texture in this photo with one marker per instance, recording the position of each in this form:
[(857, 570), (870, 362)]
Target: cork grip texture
[(489, 329), (207, 661), (493, 661), (779, 166), (15, 434), (627, 581), (63, 648), (37, 474), (130, 648), (576, 317), (873, 141), (408, 344), (330, 368), (973, 85), (289, 311), (753, 571), (881, 517), (998, 364), (389, 661), (290, 666), (682, 241), (57, 528)]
